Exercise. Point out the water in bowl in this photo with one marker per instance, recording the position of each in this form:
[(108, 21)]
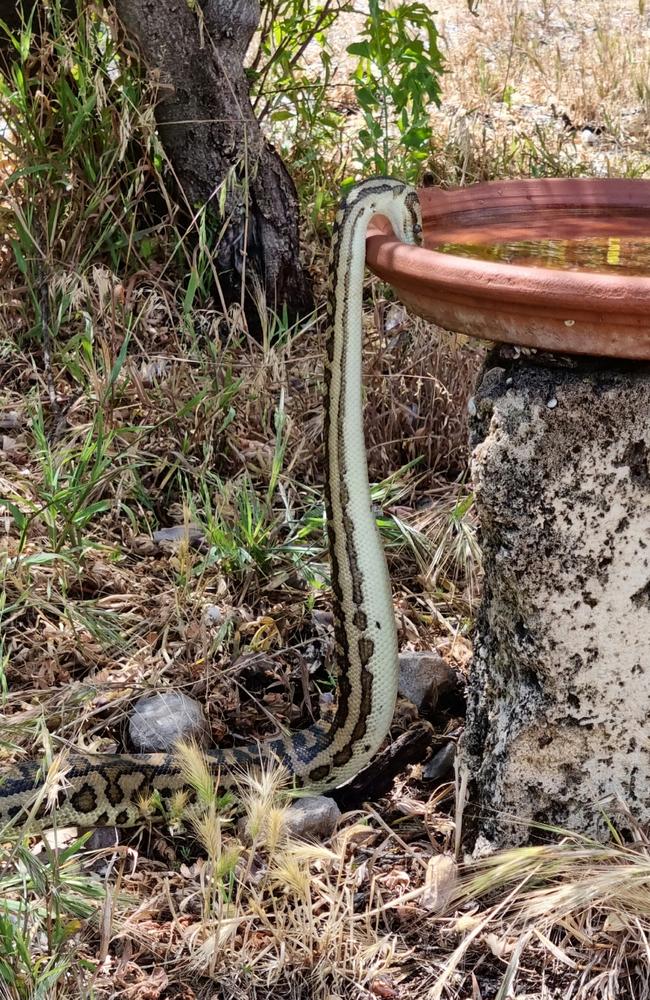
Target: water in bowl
[(618, 255)]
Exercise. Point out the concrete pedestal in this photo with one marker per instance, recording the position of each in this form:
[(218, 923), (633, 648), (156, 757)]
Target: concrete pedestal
[(559, 713)]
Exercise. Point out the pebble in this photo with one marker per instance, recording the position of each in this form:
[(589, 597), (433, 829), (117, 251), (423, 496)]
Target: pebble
[(177, 532), (424, 676), (10, 420), (103, 838), (159, 721), (312, 816), (214, 615)]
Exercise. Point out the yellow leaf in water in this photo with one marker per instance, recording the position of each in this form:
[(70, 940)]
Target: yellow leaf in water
[(613, 250)]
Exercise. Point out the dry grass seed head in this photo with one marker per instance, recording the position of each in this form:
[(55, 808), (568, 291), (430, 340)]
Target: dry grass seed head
[(263, 795), (196, 772), (567, 898)]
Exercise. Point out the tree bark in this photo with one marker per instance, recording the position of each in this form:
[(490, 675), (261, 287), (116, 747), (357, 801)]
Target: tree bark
[(213, 139)]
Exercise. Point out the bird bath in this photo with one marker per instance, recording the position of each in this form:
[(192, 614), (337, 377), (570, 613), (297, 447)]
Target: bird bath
[(559, 690), (560, 265)]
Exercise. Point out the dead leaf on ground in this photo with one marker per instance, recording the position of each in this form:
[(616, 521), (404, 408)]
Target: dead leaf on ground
[(440, 882)]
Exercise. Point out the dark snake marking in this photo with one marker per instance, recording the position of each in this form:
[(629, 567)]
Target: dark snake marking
[(84, 799)]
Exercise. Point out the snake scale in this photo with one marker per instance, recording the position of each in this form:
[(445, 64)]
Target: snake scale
[(101, 789)]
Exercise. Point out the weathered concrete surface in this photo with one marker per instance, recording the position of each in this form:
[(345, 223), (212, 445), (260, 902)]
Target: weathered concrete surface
[(559, 708)]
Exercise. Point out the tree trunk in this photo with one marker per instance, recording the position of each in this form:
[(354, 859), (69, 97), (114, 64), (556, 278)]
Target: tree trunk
[(212, 138)]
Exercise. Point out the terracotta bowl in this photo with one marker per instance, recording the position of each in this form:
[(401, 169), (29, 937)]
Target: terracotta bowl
[(577, 311)]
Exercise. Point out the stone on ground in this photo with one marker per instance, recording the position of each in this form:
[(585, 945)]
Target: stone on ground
[(424, 677), (441, 765), (159, 721), (312, 816)]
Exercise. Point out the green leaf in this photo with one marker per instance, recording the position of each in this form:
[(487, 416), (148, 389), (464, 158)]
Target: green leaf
[(119, 361), (361, 49), (21, 520), (192, 403), (148, 247), (18, 254), (366, 98), (192, 287)]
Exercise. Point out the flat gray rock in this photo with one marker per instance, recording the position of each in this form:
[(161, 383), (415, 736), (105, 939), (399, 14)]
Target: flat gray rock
[(159, 721), (424, 676), (177, 532), (313, 816)]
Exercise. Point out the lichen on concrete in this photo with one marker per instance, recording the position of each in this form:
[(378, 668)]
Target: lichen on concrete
[(559, 707)]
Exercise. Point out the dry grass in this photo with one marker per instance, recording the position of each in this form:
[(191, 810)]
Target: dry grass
[(518, 66), (513, 68), (250, 910), (272, 912), (155, 408), (573, 904)]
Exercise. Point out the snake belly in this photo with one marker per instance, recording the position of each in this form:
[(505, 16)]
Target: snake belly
[(107, 789)]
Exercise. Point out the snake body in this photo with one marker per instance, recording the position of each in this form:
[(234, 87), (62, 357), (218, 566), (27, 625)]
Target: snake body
[(100, 789)]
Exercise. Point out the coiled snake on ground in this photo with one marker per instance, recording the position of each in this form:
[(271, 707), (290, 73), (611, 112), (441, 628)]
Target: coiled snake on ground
[(100, 789)]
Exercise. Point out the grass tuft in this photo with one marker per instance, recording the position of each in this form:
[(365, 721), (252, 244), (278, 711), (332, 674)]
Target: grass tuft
[(571, 904)]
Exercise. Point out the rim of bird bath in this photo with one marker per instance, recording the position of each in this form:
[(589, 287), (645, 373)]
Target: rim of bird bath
[(603, 312)]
